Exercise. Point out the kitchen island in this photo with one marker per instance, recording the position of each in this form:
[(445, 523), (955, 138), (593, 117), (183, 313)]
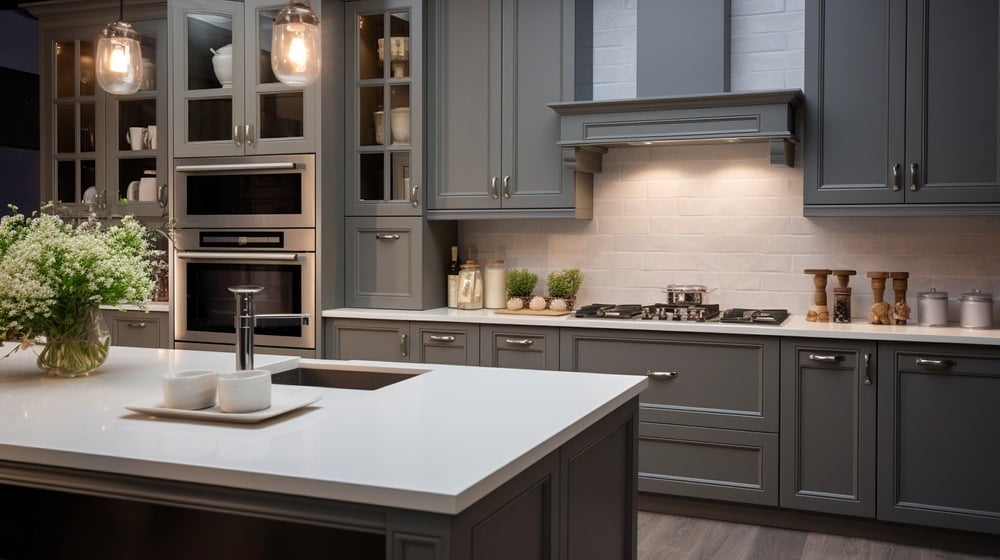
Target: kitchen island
[(457, 462)]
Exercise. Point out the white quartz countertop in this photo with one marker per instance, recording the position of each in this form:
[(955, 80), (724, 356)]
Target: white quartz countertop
[(437, 442), (795, 326)]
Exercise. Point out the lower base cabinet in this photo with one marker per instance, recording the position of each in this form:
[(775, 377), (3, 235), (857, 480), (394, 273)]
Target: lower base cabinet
[(403, 341), (138, 328), (828, 398), (511, 346), (939, 451)]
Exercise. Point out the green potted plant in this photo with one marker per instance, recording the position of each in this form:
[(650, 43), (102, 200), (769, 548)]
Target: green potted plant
[(520, 284), (563, 286)]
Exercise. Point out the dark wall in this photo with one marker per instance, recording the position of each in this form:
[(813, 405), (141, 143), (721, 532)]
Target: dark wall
[(19, 165)]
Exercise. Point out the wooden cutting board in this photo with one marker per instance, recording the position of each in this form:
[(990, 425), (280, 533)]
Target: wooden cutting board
[(547, 312)]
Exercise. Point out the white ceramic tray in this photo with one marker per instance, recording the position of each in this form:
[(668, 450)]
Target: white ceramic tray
[(283, 399)]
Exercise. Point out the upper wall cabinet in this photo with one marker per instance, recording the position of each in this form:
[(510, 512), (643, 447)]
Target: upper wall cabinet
[(227, 100), (384, 93), (101, 152), (492, 139), (902, 99)]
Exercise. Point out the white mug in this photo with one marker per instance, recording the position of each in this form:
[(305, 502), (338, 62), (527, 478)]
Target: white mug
[(136, 137), (147, 189), (132, 192), (151, 137)]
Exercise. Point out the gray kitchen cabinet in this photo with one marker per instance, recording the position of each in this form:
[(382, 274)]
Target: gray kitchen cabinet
[(493, 67), (397, 262), (138, 328), (828, 404), (403, 341), (245, 110), (709, 418), (87, 161), (520, 347), (384, 92), (902, 104), (937, 433)]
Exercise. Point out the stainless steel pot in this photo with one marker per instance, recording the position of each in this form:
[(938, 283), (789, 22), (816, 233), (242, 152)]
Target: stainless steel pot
[(686, 294)]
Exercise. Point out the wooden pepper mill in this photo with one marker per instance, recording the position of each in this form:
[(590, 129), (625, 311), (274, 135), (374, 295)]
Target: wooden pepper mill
[(900, 311), (880, 313), (842, 296), (818, 312)]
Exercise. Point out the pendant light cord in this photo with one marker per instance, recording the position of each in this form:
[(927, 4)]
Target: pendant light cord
[(121, 10)]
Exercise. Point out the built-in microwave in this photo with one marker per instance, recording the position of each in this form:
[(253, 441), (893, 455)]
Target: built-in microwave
[(245, 192)]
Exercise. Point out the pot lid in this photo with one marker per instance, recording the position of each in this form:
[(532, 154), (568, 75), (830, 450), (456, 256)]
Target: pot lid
[(977, 295), (933, 294), (687, 288)]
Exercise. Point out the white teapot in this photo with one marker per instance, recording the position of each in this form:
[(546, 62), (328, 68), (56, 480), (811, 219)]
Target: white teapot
[(222, 63)]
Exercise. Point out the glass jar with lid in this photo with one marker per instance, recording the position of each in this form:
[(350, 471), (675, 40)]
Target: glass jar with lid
[(470, 286)]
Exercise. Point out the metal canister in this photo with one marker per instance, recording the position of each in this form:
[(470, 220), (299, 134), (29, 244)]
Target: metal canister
[(686, 294), (932, 308), (977, 310)]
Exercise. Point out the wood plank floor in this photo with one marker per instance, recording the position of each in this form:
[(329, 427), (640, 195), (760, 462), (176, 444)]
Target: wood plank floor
[(673, 537)]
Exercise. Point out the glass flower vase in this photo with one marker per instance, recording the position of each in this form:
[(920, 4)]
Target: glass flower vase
[(77, 349)]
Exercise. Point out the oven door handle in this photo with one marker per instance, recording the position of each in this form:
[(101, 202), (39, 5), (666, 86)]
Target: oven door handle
[(204, 256), (237, 166)]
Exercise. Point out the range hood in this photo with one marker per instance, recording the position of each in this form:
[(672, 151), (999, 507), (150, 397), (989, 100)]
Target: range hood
[(588, 128)]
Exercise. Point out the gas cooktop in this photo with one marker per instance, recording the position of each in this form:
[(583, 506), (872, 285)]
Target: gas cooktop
[(698, 312)]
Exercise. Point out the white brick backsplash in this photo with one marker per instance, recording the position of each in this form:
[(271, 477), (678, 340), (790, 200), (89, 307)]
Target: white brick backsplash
[(722, 215)]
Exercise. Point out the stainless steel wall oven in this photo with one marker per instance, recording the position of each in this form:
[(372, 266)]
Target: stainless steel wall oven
[(242, 221)]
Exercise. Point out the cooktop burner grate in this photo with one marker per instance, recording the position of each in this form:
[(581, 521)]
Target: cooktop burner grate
[(754, 316)]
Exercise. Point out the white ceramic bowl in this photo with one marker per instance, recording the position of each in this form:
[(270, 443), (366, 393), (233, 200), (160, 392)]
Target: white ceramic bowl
[(222, 64), (190, 389), (244, 390), (400, 123)]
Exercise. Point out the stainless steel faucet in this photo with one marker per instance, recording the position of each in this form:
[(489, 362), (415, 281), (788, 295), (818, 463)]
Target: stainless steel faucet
[(246, 320)]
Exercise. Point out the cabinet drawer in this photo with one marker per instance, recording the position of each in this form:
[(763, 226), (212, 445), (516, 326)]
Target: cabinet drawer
[(358, 339), (520, 347), (696, 380), (137, 328), (708, 463), (446, 344)]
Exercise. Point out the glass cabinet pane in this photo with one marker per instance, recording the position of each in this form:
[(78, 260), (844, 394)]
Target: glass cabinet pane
[(65, 69), (399, 45), (66, 128), (209, 51), (136, 116), (130, 172), (281, 115), (371, 29), (148, 62), (65, 181), (87, 77), (400, 176), (88, 126), (210, 119), (265, 24), (399, 100), (372, 177), (372, 121)]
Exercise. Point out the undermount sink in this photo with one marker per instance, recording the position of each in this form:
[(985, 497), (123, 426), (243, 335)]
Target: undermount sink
[(345, 376)]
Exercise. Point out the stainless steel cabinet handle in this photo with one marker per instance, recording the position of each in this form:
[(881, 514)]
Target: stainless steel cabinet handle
[(506, 186), (913, 177), (404, 348), (161, 195), (237, 166), (520, 342), (661, 374), (387, 236), (248, 134), (136, 325), (442, 338), (238, 135), (825, 358), (933, 363), (897, 178), (868, 368), (414, 189), (493, 188)]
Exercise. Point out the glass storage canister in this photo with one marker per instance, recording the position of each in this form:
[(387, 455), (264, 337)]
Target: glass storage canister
[(977, 310), (842, 305), (470, 286), (494, 284), (932, 308)]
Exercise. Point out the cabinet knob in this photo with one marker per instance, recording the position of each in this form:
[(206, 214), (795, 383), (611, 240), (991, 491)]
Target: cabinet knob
[(661, 374), (519, 342)]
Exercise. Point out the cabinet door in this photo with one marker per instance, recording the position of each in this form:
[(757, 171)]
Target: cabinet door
[(359, 339), (137, 328), (695, 380), (464, 129), (828, 427), (520, 347), (854, 87), (207, 88), (952, 100), (937, 423), (384, 141), (445, 343)]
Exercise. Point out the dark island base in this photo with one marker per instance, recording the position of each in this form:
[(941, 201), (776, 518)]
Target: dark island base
[(577, 503)]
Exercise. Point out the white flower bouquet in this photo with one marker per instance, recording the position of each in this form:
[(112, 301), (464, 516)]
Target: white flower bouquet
[(53, 277)]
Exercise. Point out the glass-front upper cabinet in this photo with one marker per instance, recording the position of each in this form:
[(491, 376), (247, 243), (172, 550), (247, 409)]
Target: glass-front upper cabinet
[(384, 94), (99, 151), (227, 100)]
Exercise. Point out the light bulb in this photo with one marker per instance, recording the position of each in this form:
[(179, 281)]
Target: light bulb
[(298, 53), (119, 59)]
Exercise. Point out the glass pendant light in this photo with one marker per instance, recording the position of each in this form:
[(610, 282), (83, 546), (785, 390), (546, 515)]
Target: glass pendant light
[(119, 57), (295, 45)]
